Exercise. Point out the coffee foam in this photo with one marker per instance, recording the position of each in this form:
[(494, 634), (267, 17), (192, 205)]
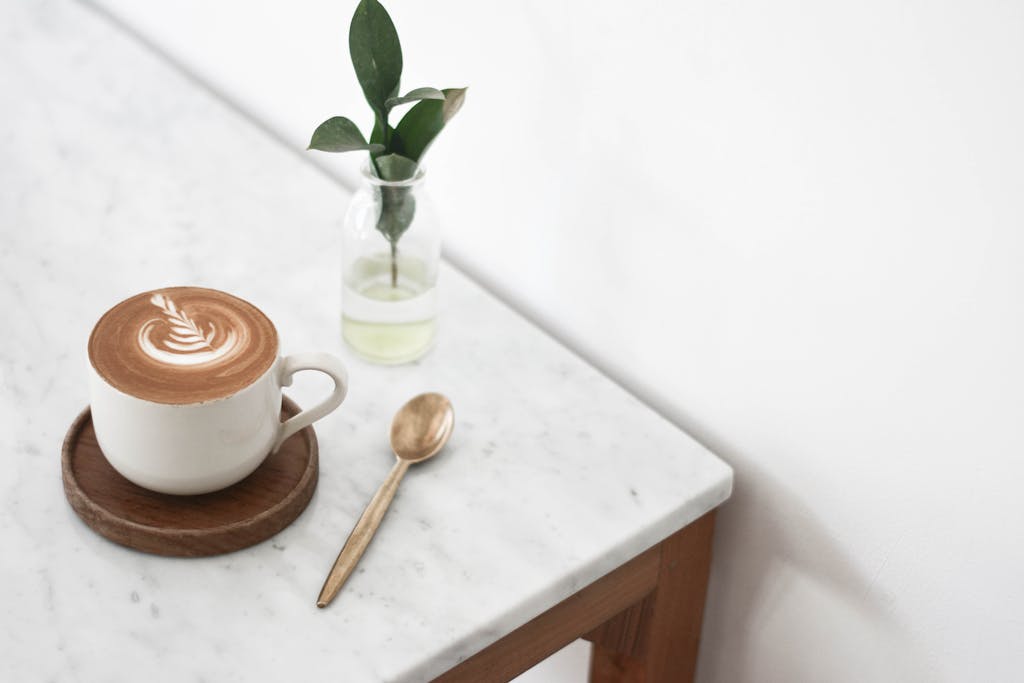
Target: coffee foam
[(182, 345)]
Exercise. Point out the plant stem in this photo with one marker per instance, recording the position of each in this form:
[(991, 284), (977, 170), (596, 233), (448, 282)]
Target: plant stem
[(394, 265), (387, 133), (387, 144), (394, 245)]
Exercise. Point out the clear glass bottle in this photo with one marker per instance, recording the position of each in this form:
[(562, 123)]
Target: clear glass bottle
[(389, 288)]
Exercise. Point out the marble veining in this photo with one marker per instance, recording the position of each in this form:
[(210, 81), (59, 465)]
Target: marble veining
[(121, 176)]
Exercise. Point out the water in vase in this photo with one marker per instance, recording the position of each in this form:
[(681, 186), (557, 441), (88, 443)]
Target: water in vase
[(388, 322)]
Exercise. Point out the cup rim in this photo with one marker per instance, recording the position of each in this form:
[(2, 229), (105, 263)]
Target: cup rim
[(274, 358), (192, 404)]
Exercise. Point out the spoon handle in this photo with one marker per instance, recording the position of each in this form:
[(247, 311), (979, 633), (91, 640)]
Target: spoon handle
[(361, 535)]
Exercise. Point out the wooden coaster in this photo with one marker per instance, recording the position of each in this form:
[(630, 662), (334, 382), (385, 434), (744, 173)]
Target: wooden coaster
[(241, 515)]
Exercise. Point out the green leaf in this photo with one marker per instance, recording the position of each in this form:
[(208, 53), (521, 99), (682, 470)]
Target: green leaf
[(423, 122), (414, 96), (339, 134), (397, 210), (377, 137), (397, 202), (376, 54), (394, 167)]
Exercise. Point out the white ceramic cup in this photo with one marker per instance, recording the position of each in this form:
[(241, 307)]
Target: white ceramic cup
[(201, 447)]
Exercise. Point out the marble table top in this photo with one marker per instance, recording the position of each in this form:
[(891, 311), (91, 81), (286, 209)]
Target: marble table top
[(120, 175)]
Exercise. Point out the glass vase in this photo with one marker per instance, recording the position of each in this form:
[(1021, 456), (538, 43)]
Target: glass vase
[(391, 251)]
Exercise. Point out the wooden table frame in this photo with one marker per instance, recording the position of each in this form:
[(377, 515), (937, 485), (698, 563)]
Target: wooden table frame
[(644, 619)]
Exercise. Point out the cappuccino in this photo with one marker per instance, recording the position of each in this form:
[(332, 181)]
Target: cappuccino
[(182, 345)]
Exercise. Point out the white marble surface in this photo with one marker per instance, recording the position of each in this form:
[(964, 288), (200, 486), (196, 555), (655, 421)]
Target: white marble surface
[(119, 176)]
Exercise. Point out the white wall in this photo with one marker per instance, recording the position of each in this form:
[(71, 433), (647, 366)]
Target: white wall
[(793, 227)]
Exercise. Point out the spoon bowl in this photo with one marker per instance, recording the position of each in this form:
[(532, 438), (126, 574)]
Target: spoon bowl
[(422, 427)]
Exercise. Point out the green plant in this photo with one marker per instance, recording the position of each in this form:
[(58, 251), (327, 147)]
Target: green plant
[(395, 152)]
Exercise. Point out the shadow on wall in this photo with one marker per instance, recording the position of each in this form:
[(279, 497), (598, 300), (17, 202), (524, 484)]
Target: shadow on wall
[(776, 567)]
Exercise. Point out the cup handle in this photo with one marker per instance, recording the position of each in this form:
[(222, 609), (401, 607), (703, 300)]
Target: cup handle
[(322, 362)]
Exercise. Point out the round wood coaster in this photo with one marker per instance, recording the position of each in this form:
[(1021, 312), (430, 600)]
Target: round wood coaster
[(241, 515)]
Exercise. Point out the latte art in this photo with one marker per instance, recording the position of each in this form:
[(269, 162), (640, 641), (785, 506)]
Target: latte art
[(178, 340), (182, 345)]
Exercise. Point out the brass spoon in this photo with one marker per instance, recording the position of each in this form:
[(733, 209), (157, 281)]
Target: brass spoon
[(419, 430)]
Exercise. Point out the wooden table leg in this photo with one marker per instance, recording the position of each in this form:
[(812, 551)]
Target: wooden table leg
[(656, 640)]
